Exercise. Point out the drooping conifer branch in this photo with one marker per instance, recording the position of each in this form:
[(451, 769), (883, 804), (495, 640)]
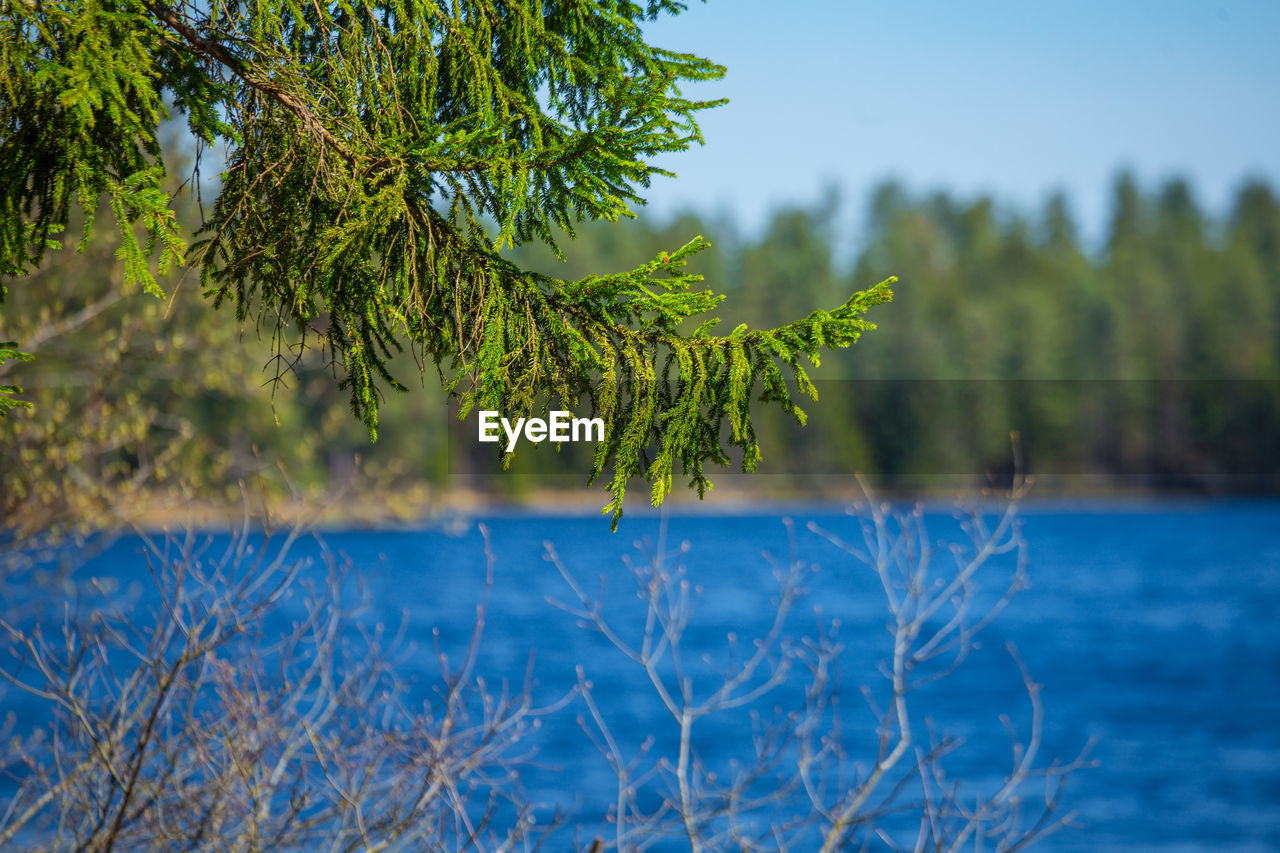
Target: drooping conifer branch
[(374, 146)]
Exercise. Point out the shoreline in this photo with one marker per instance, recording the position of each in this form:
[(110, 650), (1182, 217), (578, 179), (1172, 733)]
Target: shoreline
[(423, 505)]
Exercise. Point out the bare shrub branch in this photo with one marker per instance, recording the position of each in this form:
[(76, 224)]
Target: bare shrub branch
[(796, 782), (203, 725), (249, 707)]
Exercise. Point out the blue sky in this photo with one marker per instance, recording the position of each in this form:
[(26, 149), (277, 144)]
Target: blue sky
[(1012, 98)]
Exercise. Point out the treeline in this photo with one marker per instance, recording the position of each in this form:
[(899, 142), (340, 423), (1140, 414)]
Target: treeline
[(1151, 359)]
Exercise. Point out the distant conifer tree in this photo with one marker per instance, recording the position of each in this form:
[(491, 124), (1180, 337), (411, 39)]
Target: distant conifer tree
[(373, 150)]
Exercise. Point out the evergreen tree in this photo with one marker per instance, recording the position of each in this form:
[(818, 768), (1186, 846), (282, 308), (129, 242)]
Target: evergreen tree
[(374, 147), (1245, 322)]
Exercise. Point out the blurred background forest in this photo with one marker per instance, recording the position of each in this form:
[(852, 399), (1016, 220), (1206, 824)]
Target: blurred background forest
[(1149, 360)]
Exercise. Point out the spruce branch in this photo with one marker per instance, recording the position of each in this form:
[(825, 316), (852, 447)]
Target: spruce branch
[(373, 149)]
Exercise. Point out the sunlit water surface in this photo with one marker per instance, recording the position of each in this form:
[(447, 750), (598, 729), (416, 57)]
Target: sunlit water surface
[(1152, 627)]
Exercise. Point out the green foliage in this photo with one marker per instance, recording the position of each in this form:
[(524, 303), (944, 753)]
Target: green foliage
[(1104, 353), (81, 97), (373, 150), (1102, 356), (110, 423), (9, 353), (990, 294)]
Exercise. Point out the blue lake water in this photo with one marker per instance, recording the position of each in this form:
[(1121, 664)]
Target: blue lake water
[(1152, 627)]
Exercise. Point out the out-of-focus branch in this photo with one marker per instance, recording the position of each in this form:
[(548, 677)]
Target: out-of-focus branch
[(822, 802), (200, 725)]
